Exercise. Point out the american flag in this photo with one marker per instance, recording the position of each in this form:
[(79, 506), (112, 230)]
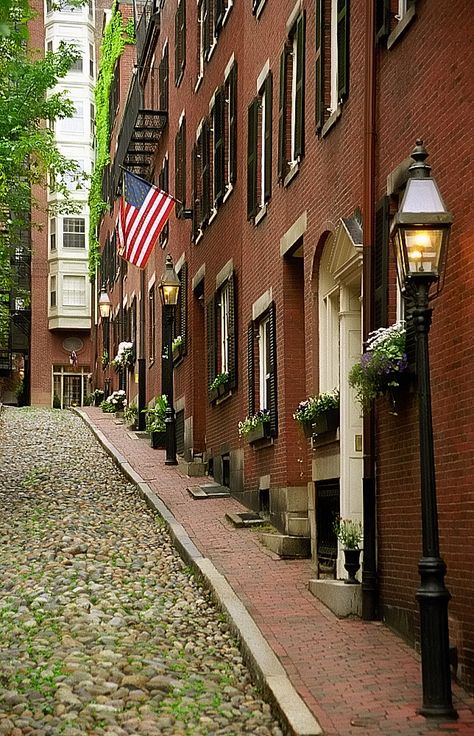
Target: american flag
[(144, 210)]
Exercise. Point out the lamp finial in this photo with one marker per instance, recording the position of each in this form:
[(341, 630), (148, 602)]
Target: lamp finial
[(419, 169)]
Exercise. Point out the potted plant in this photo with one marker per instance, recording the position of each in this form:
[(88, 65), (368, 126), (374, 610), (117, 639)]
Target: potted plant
[(130, 415), (97, 396), (177, 347), (219, 385), (382, 364), (125, 357), (256, 426), (104, 361), (318, 414), (155, 421), (349, 534), (117, 401)]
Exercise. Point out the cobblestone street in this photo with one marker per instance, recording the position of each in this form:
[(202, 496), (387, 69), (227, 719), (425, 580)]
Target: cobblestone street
[(102, 628)]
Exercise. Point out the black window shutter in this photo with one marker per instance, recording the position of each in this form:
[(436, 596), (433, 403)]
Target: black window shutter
[(180, 40), (180, 163), (196, 205), (319, 65), (252, 159), (219, 12), (233, 124), (272, 369), (342, 49), (299, 100), (205, 173), (380, 264), (177, 69), (268, 137), (183, 304), (232, 333), (250, 368), (382, 19), (207, 27), (211, 340), (163, 81), (282, 118), (219, 149)]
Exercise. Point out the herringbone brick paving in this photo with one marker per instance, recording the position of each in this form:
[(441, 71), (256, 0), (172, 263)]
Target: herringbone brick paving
[(358, 678)]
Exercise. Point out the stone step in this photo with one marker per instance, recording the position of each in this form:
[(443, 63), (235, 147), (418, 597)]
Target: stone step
[(297, 524), (342, 599), (285, 545), (193, 469)]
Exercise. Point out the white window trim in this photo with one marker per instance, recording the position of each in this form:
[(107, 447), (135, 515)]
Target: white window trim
[(263, 362), (334, 56), (224, 320), (294, 52)]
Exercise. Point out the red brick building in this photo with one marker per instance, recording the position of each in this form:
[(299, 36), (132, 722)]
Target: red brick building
[(284, 129)]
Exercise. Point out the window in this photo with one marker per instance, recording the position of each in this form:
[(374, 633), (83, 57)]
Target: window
[(74, 291), (77, 65), (163, 183), (291, 107), (91, 61), (52, 234), (181, 320), (151, 324), (180, 41), (259, 150), (230, 127), (75, 180), (221, 333), (180, 167), (74, 232), (49, 47), (392, 17), (163, 78), (201, 41), (92, 120), (74, 124), (261, 366), (52, 291), (200, 176), (332, 67)]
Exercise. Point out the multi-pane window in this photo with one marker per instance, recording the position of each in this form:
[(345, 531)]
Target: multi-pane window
[(180, 41), (52, 291), (261, 366), (291, 105), (201, 180), (91, 61), (259, 153), (202, 31), (74, 291), (163, 78), (92, 119), (74, 124), (221, 333), (77, 65), (49, 47), (151, 324), (163, 183), (331, 59), (391, 13), (230, 127), (74, 180), (52, 233), (180, 167), (74, 232)]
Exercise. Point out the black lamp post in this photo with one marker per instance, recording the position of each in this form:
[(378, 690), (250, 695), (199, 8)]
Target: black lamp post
[(105, 307), (169, 290), (421, 231)]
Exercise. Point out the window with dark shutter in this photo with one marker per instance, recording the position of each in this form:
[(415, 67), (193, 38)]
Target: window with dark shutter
[(208, 27), (163, 76), (299, 88), (272, 365), (342, 49), (163, 183), (319, 65), (268, 137), (232, 358), (211, 340), (233, 124), (252, 159), (180, 41), (380, 264), (282, 112), (251, 368), (180, 168), (219, 152), (219, 13), (205, 175), (195, 197), (382, 19), (181, 322)]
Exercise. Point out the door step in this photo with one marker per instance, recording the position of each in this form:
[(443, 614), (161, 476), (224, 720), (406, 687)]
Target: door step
[(285, 545), (208, 490), (245, 519)]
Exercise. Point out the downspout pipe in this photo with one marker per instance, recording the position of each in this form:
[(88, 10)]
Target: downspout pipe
[(369, 567)]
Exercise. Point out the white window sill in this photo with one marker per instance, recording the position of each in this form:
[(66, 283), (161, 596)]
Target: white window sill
[(331, 121), (226, 14), (294, 168), (260, 214), (211, 49), (401, 27), (229, 190), (212, 216), (199, 237), (198, 82), (259, 9)]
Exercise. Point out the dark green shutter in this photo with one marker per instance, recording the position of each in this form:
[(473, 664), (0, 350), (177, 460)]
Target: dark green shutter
[(183, 305), (380, 264), (196, 205), (252, 159), (180, 40), (211, 340), (272, 369), (282, 165), (342, 49), (219, 12), (233, 124), (180, 170), (268, 137), (299, 97), (319, 65), (176, 47), (382, 19), (219, 148), (163, 74), (207, 27), (232, 333), (205, 174), (250, 368)]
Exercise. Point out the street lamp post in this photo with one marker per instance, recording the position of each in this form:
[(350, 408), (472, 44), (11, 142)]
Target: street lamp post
[(169, 290), (105, 307), (421, 231)]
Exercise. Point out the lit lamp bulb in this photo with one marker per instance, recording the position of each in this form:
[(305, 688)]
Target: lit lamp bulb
[(419, 250)]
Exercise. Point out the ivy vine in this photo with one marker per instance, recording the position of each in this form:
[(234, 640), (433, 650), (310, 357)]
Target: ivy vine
[(116, 35)]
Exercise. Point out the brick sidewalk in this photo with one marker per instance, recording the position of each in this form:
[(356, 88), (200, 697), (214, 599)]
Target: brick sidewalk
[(358, 678)]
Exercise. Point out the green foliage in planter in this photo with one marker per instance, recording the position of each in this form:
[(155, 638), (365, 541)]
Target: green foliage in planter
[(155, 414), (312, 407), (130, 414), (252, 422), (220, 380), (113, 43), (348, 532)]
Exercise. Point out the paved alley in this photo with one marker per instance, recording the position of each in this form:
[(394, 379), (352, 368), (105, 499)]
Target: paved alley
[(102, 628)]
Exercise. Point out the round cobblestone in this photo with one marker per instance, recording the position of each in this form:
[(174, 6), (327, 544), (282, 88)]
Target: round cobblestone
[(103, 629)]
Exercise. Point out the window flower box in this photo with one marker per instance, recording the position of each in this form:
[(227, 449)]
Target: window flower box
[(319, 414), (255, 427), (260, 432), (328, 421)]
